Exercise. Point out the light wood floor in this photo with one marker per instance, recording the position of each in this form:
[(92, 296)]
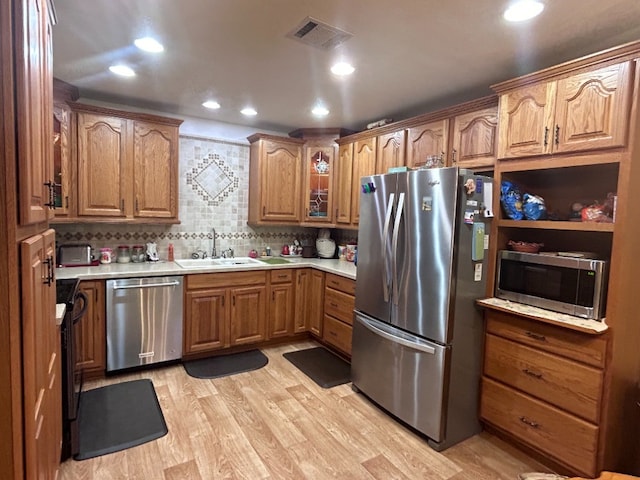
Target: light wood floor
[(276, 423)]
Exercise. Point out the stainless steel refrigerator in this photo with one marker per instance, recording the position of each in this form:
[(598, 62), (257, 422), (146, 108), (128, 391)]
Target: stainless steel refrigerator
[(417, 334)]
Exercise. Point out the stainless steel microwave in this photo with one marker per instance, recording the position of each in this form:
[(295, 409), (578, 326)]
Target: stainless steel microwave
[(575, 286)]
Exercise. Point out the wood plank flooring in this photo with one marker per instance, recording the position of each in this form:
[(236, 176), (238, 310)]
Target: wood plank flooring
[(276, 423)]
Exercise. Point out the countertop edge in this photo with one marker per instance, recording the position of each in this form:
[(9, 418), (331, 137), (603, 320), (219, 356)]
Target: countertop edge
[(129, 270)]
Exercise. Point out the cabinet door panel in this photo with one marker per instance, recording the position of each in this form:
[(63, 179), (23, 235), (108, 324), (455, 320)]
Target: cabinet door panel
[(337, 333), (102, 161), (281, 310), (90, 330), (390, 151), (475, 138), (319, 183), (316, 303), (364, 164), (205, 320), (424, 140), (248, 315), (592, 109), (300, 314), (280, 177), (526, 121), (344, 180), (155, 170)]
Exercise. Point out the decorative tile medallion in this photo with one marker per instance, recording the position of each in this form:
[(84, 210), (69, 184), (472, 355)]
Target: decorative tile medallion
[(212, 180)]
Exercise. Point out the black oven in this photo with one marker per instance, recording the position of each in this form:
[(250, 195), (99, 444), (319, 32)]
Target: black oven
[(76, 301)]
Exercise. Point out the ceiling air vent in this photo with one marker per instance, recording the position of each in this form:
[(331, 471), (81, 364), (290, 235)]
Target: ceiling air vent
[(318, 34)]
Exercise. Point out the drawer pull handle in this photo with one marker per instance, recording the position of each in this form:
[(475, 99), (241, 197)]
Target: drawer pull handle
[(529, 422), (282, 276), (532, 374), (536, 336), (333, 282), (334, 305), (333, 333)]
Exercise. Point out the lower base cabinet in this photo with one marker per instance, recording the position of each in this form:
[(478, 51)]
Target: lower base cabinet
[(339, 302), (224, 310), (542, 385), (281, 303), (309, 301), (90, 331)]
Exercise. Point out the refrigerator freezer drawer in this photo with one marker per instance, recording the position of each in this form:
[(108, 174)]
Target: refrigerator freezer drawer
[(404, 374)]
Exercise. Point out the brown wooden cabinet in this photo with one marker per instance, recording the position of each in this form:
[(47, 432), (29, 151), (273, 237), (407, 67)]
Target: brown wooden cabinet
[(309, 301), (63, 171), (339, 302), (430, 138), (223, 310), (126, 166), (344, 182), (90, 333), (282, 304), (538, 390), (584, 111), (40, 358), (474, 139), (275, 173), (391, 151), (567, 134), (364, 163)]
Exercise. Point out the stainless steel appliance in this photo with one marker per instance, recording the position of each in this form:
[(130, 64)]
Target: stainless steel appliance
[(417, 336), (76, 301), (575, 286), (144, 321), (78, 255)]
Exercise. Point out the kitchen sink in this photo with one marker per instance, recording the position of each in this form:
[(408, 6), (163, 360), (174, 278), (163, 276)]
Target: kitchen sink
[(215, 262)]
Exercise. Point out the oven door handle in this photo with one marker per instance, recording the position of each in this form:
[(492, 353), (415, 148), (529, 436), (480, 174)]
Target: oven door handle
[(85, 304)]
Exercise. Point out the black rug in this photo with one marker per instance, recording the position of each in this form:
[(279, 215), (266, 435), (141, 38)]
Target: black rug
[(117, 417), (223, 365), (322, 366)]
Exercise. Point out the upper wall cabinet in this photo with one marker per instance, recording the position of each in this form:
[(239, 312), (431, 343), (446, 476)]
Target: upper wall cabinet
[(426, 139), (585, 111), (474, 138), (275, 171), (126, 167), (391, 148), (344, 184), (34, 97), (364, 164)]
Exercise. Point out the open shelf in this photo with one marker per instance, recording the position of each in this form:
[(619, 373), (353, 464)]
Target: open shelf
[(560, 225)]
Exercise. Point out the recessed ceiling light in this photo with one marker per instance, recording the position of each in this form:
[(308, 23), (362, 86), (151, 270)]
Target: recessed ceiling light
[(148, 44), (342, 68), (212, 104), (523, 10), (249, 112), (320, 111), (122, 70)]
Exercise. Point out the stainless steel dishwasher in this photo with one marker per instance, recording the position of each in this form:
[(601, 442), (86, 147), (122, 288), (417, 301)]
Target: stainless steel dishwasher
[(144, 321)]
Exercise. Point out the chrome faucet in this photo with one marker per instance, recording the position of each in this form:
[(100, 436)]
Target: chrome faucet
[(213, 242)]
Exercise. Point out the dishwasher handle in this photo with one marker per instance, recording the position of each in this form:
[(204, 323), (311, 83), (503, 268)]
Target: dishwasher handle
[(146, 285)]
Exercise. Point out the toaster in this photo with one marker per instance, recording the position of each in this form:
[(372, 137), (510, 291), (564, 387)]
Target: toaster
[(77, 255)]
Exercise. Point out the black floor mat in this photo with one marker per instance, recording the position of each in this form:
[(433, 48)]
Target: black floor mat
[(322, 366), (223, 365), (117, 417)]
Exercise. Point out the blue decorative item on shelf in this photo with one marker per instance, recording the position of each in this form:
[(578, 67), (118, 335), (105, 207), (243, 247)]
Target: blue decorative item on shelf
[(533, 207), (511, 200)]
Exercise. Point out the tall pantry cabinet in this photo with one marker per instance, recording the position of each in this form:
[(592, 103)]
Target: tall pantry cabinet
[(30, 395)]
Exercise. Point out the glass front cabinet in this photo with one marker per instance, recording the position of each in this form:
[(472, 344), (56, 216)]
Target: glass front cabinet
[(319, 182)]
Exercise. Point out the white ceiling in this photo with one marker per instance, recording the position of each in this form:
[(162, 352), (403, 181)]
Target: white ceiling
[(411, 56)]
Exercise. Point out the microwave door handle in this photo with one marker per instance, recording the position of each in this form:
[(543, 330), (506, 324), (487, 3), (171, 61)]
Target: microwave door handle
[(385, 240), (394, 248)]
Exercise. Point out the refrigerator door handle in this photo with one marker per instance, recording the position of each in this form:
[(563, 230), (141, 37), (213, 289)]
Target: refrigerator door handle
[(385, 237), (394, 248), (393, 338)]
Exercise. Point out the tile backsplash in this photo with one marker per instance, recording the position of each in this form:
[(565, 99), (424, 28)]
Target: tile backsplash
[(214, 194)]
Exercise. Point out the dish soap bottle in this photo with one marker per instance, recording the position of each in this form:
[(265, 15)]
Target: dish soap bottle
[(171, 255)]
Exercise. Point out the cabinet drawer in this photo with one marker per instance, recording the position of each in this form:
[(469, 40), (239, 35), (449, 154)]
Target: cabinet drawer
[(281, 276), (222, 280), (568, 439), (584, 348), (337, 282), (337, 333), (569, 385), (339, 305)]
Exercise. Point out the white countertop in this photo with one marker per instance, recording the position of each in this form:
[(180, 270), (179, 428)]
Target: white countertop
[(61, 309), (156, 269)]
